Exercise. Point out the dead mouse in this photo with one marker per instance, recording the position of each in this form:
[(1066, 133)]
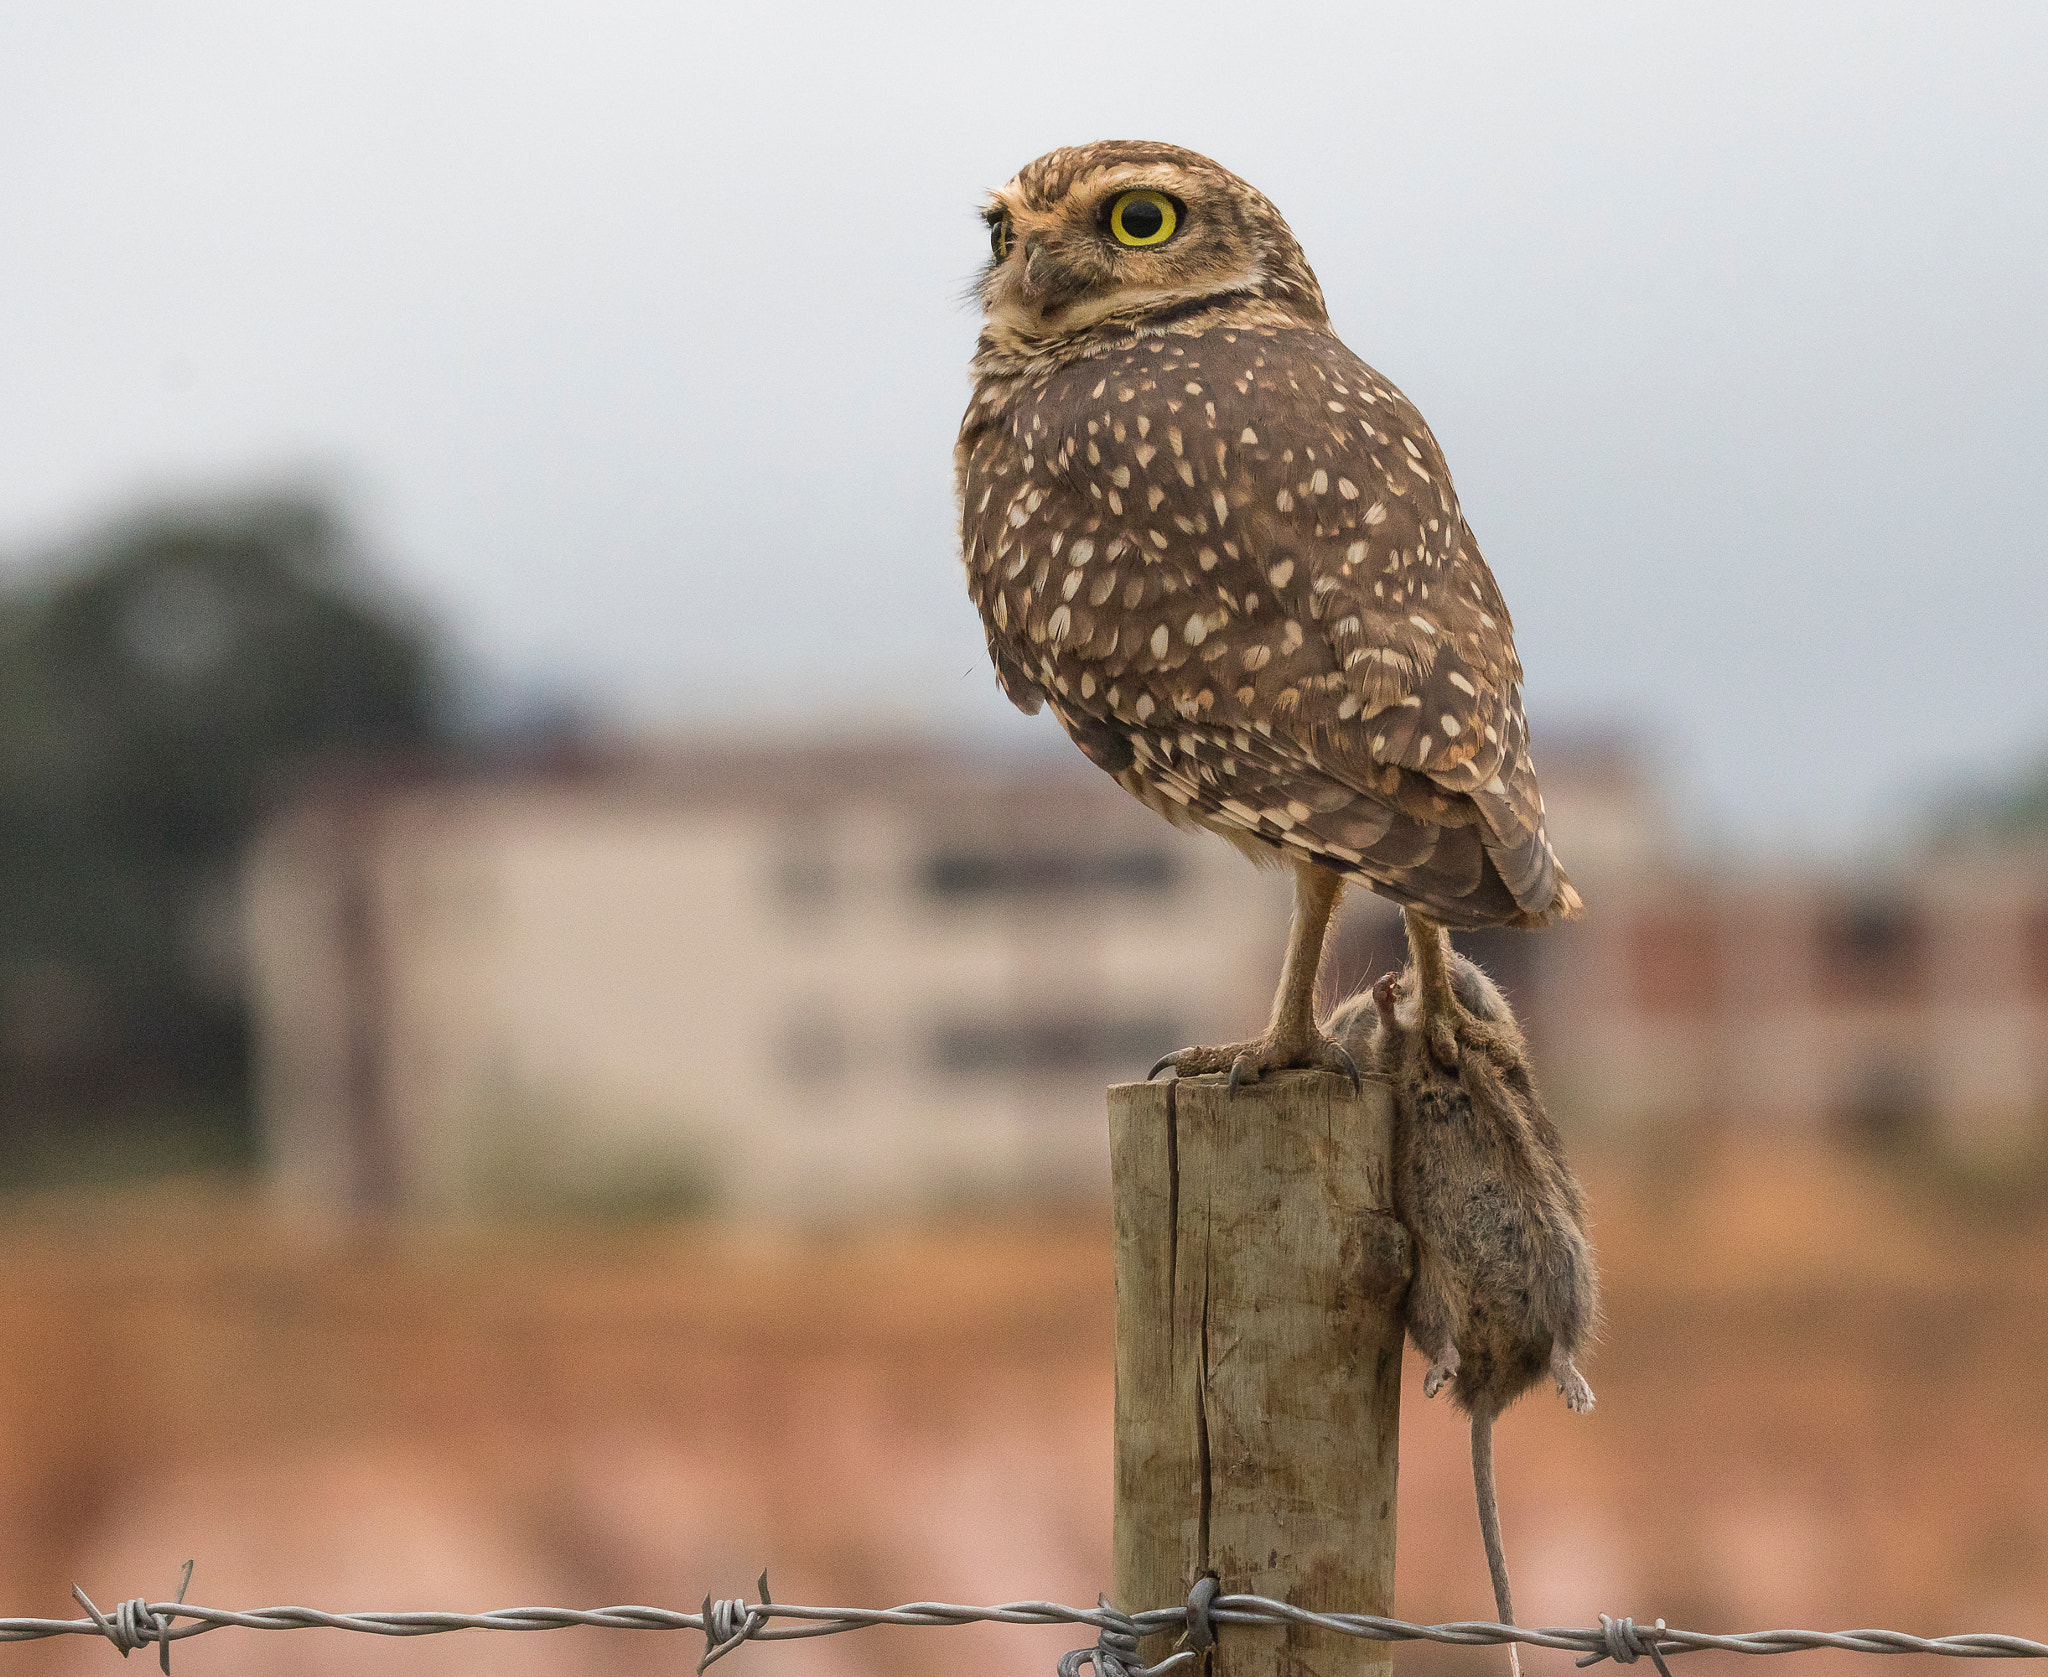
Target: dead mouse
[(1504, 1284)]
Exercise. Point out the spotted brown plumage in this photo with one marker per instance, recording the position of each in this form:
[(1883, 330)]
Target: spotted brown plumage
[(1228, 554)]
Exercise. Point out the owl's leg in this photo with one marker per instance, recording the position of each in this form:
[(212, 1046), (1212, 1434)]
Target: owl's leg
[(1438, 1014), (1291, 1041)]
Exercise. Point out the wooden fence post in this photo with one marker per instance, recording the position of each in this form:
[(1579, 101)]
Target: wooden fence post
[(1259, 1280)]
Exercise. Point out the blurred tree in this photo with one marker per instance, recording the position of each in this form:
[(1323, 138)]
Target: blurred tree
[(2013, 814), (159, 686), (2022, 814)]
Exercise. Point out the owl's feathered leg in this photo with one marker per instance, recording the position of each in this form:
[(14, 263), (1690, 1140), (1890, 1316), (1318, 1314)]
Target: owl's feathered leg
[(1291, 1041), (1450, 1028), (1438, 1013)]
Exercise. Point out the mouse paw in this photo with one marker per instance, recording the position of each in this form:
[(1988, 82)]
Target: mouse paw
[(1440, 1373), (1572, 1387), (1386, 994)]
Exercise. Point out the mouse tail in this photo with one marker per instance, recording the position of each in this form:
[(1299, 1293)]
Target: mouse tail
[(1489, 1526)]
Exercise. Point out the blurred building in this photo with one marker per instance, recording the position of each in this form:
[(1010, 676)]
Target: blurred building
[(867, 977), (794, 980), (1907, 1004), (1903, 1003)]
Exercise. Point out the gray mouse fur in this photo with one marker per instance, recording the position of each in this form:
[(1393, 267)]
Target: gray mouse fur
[(1504, 1287)]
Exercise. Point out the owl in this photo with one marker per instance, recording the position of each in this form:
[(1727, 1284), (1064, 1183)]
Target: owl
[(1227, 554)]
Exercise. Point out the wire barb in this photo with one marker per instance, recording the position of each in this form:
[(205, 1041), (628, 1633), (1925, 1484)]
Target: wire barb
[(729, 1623), (135, 1623), (1115, 1653), (1625, 1643)]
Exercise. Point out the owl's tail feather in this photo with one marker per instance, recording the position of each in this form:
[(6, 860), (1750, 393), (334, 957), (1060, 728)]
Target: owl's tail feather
[(1567, 904)]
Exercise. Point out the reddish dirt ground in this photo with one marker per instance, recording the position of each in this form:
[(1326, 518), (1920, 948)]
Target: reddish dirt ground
[(1823, 1402)]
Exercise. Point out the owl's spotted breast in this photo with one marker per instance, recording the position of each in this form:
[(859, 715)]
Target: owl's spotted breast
[(1232, 559)]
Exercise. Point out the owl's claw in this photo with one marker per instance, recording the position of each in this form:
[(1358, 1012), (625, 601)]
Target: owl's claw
[(1350, 1067), (1237, 1071), (1248, 1062)]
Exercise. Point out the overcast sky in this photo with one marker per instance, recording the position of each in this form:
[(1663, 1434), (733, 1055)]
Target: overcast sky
[(630, 334)]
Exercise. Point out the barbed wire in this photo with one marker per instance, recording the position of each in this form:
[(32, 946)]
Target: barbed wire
[(726, 1625)]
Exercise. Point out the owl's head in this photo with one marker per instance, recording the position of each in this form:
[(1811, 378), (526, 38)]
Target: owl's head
[(1131, 231)]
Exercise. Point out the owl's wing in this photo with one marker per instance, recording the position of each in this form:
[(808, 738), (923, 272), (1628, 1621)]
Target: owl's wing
[(1234, 565), (1427, 680), (1431, 685)]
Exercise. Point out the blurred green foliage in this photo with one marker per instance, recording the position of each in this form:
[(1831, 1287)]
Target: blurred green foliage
[(161, 684), (2012, 814)]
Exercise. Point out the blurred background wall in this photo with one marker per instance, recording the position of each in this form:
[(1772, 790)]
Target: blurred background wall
[(552, 1024)]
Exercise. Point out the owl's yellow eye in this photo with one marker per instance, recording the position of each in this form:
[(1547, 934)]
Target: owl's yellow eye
[(1143, 218), (999, 240)]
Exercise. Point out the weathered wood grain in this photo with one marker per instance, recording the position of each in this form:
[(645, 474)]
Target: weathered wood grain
[(1259, 1279)]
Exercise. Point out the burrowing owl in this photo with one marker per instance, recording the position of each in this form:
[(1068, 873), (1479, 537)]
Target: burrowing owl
[(1228, 554)]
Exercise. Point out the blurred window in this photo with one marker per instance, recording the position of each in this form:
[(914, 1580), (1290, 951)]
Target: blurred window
[(967, 875), (1872, 951), (1674, 961), (1049, 1045)]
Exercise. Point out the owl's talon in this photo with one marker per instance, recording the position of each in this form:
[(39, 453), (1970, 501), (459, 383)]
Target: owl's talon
[(1247, 1063), (1238, 1067), (1350, 1067)]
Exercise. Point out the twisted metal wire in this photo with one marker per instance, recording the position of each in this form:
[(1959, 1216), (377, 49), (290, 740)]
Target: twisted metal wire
[(727, 1624)]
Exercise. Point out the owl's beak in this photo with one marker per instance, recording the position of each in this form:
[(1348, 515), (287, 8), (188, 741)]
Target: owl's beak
[(1037, 270), (1043, 283)]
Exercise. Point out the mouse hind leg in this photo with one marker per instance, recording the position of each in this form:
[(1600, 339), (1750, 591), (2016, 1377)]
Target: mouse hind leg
[(1435, 1310), (1565, 1300), (1442, 1371), (1571, 1384)]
